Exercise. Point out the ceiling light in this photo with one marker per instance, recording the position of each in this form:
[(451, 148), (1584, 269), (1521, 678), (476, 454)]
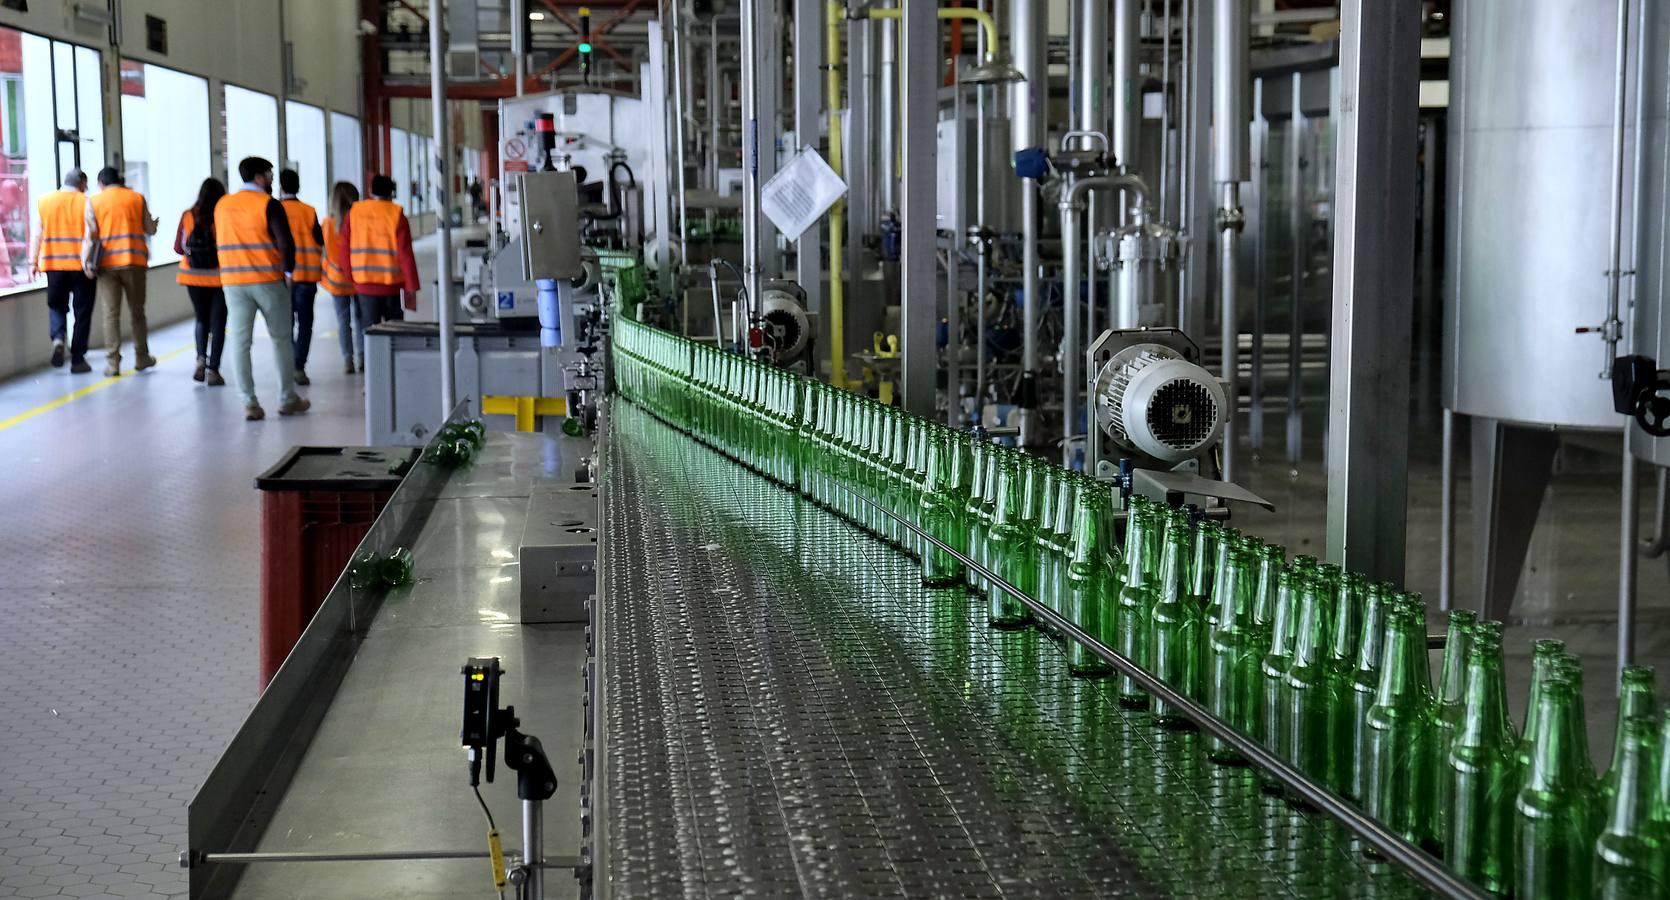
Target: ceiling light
[(537, 16)]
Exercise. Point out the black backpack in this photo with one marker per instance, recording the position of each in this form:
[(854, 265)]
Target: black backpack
[(200, 246)]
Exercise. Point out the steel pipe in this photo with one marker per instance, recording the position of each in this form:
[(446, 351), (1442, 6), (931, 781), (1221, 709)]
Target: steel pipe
[(749, 87), (444, 311), (1123, 83), (680, 113), (1027, 102), (518, 46), (1611, 330), (1072, 205), (1425, 869)]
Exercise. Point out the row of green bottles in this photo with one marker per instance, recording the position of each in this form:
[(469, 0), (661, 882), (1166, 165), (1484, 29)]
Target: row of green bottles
[(1324, 668)]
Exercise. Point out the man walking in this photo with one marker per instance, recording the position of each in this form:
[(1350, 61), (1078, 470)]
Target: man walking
[(304, 281), (55, 249), (376, 254), (252, 236), (116, 251)]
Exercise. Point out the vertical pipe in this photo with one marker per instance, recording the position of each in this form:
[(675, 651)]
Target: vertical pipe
[(1298, 263), (680, 114), (1260, 185), (1199, 219), (887, 113), (1125, 98), (918, 268), (1446, 516), (982, 168), (1070, 324), (533, 838), (443, 196), (953, 262), (518, 47), (1027, 101), (716, 105), (1229, 169), (749, 88), (1168, 169), (1629, 516), (1611, 330), (809, 28), (837, 225)]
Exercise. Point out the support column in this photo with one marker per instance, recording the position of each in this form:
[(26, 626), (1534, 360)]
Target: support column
[(918, 274), (444, 309), (1374, 246)]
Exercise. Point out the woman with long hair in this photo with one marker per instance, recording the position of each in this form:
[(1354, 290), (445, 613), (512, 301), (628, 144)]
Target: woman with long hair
[(199, 271), (350, 321)]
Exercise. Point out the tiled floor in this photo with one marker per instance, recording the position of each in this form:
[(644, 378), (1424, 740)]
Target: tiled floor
[(129, 554)]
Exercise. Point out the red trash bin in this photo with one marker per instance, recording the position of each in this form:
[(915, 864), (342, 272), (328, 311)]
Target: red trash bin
[(317, 504)]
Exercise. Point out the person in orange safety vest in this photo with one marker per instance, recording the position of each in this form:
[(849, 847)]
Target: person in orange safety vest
[(257, 256), (310, 264), (55, 251), (116, 250)]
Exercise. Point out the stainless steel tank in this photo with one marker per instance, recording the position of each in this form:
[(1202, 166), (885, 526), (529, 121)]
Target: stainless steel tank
[(1652, 273), (1529, 205)]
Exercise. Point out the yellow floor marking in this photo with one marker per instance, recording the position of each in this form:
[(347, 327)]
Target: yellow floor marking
[(73, 396)]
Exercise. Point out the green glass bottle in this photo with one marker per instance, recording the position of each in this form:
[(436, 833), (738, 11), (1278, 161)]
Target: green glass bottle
[(1637, 696), (1010, 547), (1629, 858), (1545, 654), (1136, 593), (940, 516), (1232, 677), (1272, 670), (1481, 774), (1555, 810), (1307, 707), (1203, 562), (1087, 597), (1658, 811), (980, 509), (1359, 693), (1396, 722), (1176, 626), (1443, 720), (1051, 566)]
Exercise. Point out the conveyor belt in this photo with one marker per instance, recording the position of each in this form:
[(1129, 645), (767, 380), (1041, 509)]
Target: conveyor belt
[(786, 711)]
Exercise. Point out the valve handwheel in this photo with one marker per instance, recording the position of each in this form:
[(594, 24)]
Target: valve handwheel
[(1652, 409)]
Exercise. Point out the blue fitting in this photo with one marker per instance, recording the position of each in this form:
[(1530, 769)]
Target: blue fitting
[(549, 302)]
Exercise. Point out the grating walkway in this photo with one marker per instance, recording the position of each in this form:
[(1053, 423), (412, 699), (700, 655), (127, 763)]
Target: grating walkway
[(129, 553)]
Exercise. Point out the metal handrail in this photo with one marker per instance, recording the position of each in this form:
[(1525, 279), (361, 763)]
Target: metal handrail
[(1430, 872)]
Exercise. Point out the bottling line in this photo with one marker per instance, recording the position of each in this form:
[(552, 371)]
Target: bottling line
[(832, 461)]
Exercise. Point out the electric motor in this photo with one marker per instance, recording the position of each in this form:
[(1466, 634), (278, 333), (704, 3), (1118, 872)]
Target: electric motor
[(786, 323), (1149, 399)]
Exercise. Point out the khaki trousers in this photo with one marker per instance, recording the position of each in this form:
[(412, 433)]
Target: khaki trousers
[(115, 284)]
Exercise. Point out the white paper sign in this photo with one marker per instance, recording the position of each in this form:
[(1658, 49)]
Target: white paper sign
[(801, 192)]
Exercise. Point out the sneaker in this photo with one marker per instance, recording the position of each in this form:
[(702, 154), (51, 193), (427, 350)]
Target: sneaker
[(254, 413), (113, 368), (359, 364), (294, 406), (57, 354), (348, 367), (202, 369), (213, 379), (144, 362), (79, 367), (302, 379)]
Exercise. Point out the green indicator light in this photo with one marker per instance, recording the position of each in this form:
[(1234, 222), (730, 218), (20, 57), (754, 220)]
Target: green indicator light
[(585, 48)]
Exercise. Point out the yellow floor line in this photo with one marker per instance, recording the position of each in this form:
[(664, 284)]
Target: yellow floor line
[(73, 396)]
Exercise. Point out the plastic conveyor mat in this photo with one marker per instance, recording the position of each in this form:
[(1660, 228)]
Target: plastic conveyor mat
[(786, 711)]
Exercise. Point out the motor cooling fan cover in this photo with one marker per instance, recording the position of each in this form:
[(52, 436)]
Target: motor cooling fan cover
[(786, 321), (1151, 400)]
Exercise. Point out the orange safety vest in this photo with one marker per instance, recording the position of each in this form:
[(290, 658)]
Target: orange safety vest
[(120, 213), (374, 248), (247, 252), (336, 284), (303, 219), (186, 274), (63, 226)]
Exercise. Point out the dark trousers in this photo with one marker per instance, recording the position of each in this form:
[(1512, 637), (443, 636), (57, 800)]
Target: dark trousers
[(66, 291), (301, 311), (208, 304), (379, 309)]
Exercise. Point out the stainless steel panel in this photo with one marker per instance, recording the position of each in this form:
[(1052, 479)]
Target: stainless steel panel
[(1652, 259), (1529, 210), (558, 554), (550, 225)]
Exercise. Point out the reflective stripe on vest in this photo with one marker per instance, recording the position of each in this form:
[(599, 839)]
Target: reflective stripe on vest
[(309, 261), (63, 225), (374, 250), (247, 253), (335, 283), (187, 275), (120, 213)]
